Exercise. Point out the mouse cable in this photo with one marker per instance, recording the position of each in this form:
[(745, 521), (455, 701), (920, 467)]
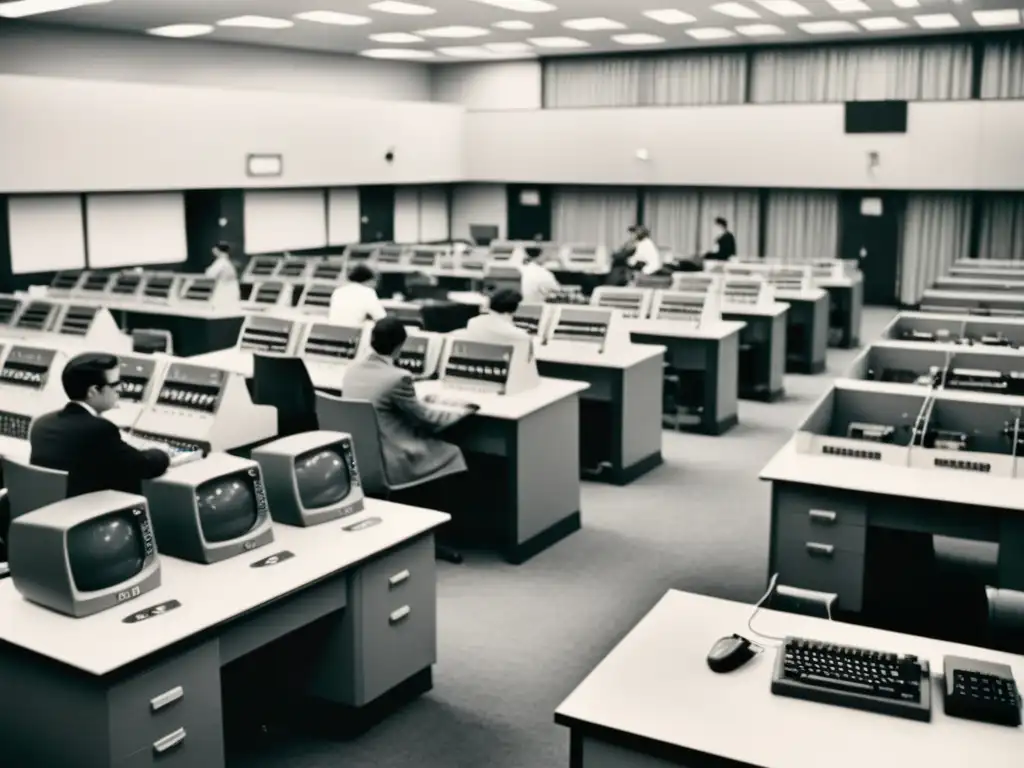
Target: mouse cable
[(757, 607)]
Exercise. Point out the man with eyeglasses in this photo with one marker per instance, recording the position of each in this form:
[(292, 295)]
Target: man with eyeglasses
[(90, 448)]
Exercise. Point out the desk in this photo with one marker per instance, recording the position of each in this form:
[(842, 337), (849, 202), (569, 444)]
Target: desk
[(620, 420), (713, 352), (653, 702), (532, 499), (942, 502), (90, 688), (762, 366), (846, 302), (194, 331), (807, 326)]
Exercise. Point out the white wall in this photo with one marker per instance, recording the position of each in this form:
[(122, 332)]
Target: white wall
[(479, 204), (86, 135), (949, 145), (500, 86), (98, 55)]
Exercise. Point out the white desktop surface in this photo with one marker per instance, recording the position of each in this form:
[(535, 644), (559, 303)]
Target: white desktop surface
[(508, 407), (583, 354), (472, 298), (985, 296), (774, 309), (656, 684), (950, 347), (841, 282), (950, 485), (672, 329), (955, 318), (814, 294), (232, 360), (209, 594), (15, 448)]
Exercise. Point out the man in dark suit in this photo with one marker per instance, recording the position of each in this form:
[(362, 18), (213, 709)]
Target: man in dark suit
[(79, 441), (725, 243)]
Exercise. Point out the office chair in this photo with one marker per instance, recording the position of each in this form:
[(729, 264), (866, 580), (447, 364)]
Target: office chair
[(806, 602), (152, 340), (284, 383), (359, 419), (30, 488)]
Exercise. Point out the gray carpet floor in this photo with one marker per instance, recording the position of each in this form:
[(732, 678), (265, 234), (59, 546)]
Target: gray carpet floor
[(513, 642)]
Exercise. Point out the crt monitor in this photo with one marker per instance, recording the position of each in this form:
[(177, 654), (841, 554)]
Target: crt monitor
[(483, 234), (311, 478), (210, 510), (85, 554)]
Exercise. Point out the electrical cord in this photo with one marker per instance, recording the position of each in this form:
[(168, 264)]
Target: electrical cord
[(772, 584)]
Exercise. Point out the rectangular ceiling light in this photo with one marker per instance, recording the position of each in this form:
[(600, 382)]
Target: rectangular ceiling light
[(22, 8), (638, 38), (181, 30), (736, 10), (256, 22), (454, 32), (850, 6), (670, 16), (403, 9), (467, 52), (882, 24), (396, 38), (559, 42), (827, 27), (789, 8), (592, 25), (1007, 18), (521, 6), (333, 17), (709, 33), (759, 30), (906, 3), (509, 47), (937, 21), (514, 24)]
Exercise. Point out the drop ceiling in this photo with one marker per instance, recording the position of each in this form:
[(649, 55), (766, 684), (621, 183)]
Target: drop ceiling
[(461, 30)]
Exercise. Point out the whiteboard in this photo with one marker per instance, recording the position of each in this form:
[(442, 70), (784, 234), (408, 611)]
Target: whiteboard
[(343, 216), (285, 220), (136, 229), (46, 233)]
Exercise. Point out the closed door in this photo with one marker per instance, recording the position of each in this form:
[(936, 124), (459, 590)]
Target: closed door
[(376, 214), (871, 236), (529, 212)]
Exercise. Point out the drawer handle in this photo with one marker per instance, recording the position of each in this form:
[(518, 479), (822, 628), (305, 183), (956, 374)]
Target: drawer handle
[(167, 698), (825, 550), (401, 613), (822, 516), (398, 578), (170, 741)]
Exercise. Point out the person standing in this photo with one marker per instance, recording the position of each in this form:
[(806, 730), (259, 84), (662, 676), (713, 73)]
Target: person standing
[(646, 257)]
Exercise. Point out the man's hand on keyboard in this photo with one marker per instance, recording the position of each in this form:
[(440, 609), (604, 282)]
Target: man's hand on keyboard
[(444, 401)]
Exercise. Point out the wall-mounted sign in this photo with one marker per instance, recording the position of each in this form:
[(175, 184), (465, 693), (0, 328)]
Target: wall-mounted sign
[(530, 198), (264, 165), (871, 206)]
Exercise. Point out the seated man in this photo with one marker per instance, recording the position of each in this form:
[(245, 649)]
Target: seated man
[(79, 441), (496, 326), (356, 302), (407, 424), (538, 281)]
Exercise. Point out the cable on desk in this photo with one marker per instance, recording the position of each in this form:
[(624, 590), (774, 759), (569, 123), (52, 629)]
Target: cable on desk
[(772, 583)]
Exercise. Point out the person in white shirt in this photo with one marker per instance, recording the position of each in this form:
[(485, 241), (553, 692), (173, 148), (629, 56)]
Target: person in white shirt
[(646, 257), (222, 269), (356, 302), (497, 326), (539, 282)]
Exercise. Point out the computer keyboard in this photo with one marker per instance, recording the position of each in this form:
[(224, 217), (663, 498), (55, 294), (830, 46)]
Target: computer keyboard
[(447, 402), (178, 456), (859, 678)]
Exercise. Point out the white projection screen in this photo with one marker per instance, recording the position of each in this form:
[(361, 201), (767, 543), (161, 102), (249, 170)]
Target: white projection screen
[(343, 216), (46, 233), (136, 229), (285, 220)]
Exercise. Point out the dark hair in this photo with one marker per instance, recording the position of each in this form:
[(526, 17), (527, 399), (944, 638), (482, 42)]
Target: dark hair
[(223, 247), (533, 252), (360, 273), (722, 223), (388, 334), (86, 370), (506, 301)]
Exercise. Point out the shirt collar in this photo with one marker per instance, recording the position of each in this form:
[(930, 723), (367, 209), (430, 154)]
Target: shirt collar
[(87, 408)]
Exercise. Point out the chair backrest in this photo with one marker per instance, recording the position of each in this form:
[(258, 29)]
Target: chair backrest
[(359, 419), (807, 602), (30, 488), (284, 383)]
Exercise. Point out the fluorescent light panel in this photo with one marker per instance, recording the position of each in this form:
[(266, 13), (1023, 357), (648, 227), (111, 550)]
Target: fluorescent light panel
[(736, 10), (937, 21), (827, 27), (592, 25), (882, 24), (22, 8), (559, 42), (181, 30), (518, 26), (670, 16), (788, 8), (457, 32), (709, 33), (403, 9), (333, 17), (850, 6), (906, 3), (396, 53), (467, 52), (521, 6), (1010, 17), (638, 38), (256, 22), (396, 38), (759, 30), (509, 47)]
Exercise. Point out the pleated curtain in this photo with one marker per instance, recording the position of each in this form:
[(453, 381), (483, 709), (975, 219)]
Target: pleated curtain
[(936, 232)]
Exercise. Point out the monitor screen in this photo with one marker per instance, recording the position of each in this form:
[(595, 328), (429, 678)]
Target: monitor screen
[(479, 361), (77, 321), (318, 295), (292, 268), (339, 342), (267, 293), (483, 234), (8, 309), (263, 266), (267, 334), (126, 283), (65, 281), (322, 478), (328, 270), (36, 316), (200, 289), (96, 282), (107, 550), (158, 286), (227, 507)]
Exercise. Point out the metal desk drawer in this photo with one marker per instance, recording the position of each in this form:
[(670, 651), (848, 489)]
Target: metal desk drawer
[(849, 508), (824, 526), (179, 748), (822, 567)]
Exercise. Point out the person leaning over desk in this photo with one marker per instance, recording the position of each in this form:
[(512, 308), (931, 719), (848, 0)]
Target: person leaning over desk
[(79, 441), (646, 257), (497, 326), (356, 302), (538, 282)]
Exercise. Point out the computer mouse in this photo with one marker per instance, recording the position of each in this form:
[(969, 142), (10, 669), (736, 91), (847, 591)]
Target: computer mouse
[(732, 652)]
